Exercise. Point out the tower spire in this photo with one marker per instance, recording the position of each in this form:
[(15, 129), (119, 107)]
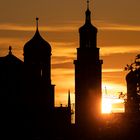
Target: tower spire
[(88, 4), (88, 13), (69, 107), (69, 100), (37, 19), (10, 50)]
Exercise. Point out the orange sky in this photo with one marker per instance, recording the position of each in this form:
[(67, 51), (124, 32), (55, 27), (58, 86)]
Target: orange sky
[(118, 24)]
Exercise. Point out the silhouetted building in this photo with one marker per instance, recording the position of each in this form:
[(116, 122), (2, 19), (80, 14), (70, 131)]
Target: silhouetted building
[(88, 74), (11, 83), (27, 95), (37, 61)]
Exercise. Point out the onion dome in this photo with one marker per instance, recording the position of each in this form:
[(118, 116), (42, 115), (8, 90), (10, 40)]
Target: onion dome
[(37, 47)]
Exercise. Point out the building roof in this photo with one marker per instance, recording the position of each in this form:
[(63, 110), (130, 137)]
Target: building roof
[(10, 58), (88, 26), (37, 44)]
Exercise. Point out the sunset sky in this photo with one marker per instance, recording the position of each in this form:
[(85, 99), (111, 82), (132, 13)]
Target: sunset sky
[(118, 23)]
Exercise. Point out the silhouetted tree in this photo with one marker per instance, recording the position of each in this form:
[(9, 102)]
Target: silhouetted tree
[(135, 65)]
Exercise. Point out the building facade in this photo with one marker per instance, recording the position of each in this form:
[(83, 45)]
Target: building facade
[(27, 99), (29, 95)]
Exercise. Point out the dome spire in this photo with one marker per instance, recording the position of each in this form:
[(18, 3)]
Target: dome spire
[(10, 50), (88, 4), (88, 13), (37, 19)]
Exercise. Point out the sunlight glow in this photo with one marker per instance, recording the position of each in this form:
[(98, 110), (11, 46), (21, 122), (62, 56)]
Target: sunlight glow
[(112, 105), (110, 98), (106, 105)]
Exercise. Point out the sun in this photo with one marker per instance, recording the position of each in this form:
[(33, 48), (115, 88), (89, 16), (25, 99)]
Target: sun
[(112, 105), (106, 105)]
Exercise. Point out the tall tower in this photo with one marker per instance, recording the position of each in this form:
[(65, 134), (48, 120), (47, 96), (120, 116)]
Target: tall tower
[(87, 74), (37, 60)]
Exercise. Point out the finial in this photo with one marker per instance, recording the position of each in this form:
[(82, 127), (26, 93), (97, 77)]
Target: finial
[(37, 22), (10, 50), (88, 4), (88, 19)]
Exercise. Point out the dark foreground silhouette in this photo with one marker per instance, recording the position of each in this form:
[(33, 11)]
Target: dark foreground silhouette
[(27, 108)]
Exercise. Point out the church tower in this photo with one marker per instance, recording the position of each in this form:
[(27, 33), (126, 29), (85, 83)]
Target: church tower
[(37, 60), (88, 75)]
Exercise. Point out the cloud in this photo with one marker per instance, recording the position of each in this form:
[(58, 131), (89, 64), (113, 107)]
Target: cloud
[(64, 65), (102, 25), (57, 59), (67, 49), (55, 28), (105, 50), (118, 60), (112, 70), (70, 27)]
